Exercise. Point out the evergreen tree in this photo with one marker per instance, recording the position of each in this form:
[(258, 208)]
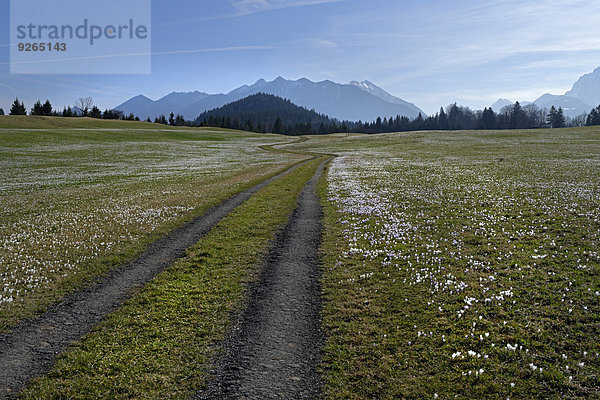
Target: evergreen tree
[(37, 109), (278, 126), (47, 108), (390, 125), (418, 122), (518, 118), (18, 108), (551, 118), (95, 112), (556, 118), (559, 121), (67, 112), (1, 111), (593, 117), (112, 114), (442, 119), (455, 117), (172, 119), (488, 119), (179, 120), (322, 128)]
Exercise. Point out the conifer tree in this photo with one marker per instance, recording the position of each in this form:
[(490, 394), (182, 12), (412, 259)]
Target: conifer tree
[(67, 112), (518, 118), (551, 116), (47, 108), (488, 119), (593, 117), (442, 119), (559, 121), (37, 109), (18, 108), (278, 126), (95, 112)]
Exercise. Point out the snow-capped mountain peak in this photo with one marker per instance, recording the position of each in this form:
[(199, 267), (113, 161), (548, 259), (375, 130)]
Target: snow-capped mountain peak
[(375, 90)]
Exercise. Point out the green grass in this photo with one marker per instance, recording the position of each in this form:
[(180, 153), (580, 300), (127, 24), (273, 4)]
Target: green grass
[(76, 203), (458, 264), (445, 250), (40, 122), (161, 342)]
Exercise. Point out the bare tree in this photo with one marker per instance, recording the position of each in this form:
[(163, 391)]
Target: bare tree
[(84, 103)]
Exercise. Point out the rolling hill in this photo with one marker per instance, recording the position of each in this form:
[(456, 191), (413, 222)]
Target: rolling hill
[(263, 112)]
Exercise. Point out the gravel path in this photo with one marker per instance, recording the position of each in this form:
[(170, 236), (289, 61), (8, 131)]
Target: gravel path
[(31, 349), (274, 349)]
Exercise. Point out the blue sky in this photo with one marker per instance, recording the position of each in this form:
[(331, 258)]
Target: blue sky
[(430, 53)]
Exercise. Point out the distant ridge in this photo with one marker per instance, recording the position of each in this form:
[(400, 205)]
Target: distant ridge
[(583, 96), (501, 103), (355, 101), (587, 88)]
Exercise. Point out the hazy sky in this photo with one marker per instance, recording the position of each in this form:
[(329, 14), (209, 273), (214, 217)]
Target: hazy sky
[(430, 53)]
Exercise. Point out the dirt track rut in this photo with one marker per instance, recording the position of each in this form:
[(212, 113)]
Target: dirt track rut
[(32, 347), (275, 347)]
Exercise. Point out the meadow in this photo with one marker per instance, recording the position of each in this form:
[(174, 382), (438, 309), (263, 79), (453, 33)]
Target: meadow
[(76, 201), (454, 264), (462, 265)]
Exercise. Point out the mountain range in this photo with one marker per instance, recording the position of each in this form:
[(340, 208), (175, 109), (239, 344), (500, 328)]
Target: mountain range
[(354, 101), (583, 96)]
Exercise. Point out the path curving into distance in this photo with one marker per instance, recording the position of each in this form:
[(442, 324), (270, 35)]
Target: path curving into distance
[(31, 348), (274, 350)]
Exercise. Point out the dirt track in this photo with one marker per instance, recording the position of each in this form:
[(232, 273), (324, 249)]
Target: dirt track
[(274, 349), (31, 349)]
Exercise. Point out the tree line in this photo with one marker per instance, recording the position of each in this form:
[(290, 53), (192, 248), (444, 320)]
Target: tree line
[(264, 113), (455, 117), (275, 126), (83, 107)]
